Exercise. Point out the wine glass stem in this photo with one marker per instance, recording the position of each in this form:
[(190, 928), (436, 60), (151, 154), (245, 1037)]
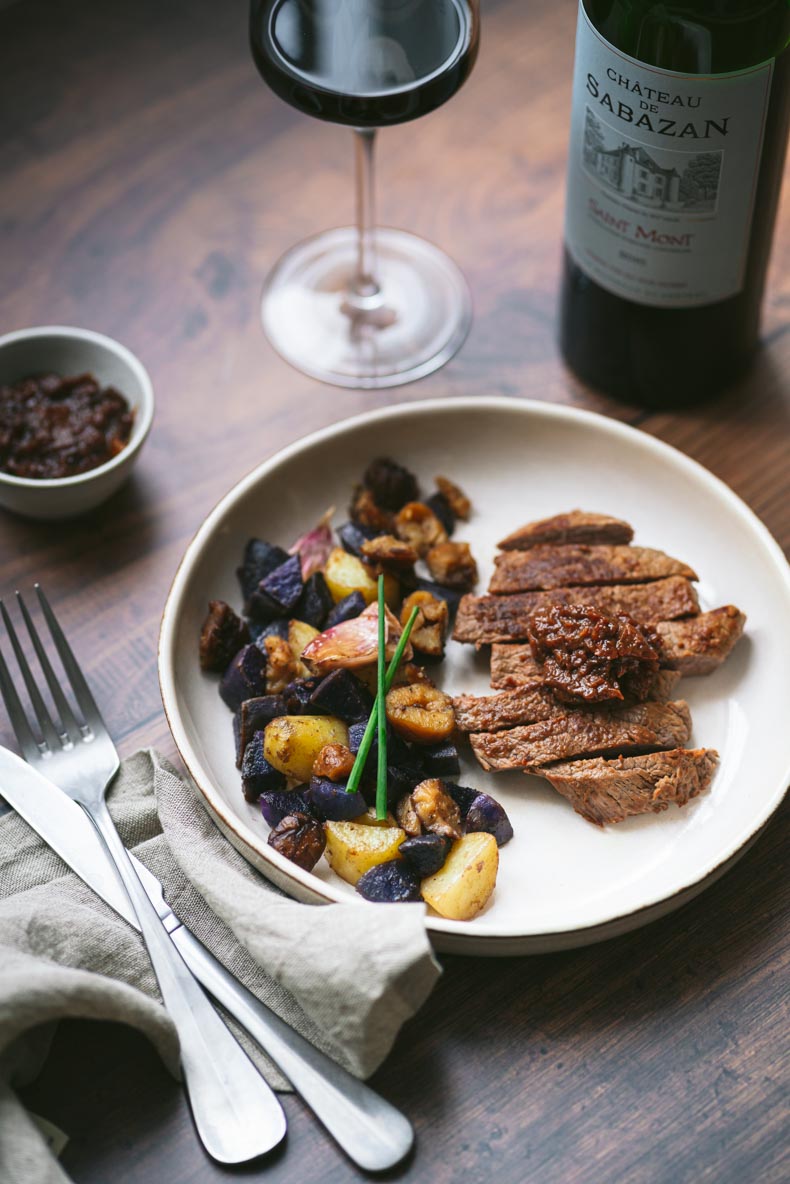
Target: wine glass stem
[(365, 283)]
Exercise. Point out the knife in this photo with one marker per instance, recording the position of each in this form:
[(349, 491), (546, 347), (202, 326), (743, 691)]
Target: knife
[(371, 1131)]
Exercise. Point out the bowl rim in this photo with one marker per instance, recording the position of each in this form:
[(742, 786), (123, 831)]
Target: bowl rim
[(142, 420)]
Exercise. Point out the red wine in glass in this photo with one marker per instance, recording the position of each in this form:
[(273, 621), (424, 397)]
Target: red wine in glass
[(359, 306)]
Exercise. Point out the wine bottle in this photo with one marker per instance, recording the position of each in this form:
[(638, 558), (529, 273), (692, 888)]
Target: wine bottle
[(678, 137)]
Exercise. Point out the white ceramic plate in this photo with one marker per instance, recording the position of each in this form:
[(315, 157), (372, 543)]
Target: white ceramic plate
[(562, 882)]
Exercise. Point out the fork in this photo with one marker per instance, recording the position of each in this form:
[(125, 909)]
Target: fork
[(237, 1115)]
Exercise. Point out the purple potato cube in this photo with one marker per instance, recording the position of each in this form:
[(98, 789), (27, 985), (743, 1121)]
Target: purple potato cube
[(346, 609), (451, 595), (253, 716), (352, 536), (443, 511), (257, 774), (392, 882), (277, 804), (277, 628), (315, 601), (284, 585), (298, 695), (329, 801), (244, 678), (343, 695), (486, 814), (260, 606), (260, 559), (440, 760), (425, 853), (462, 795)]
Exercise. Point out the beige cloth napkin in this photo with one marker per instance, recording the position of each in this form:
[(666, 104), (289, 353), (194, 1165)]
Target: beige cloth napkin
[(345, 976)]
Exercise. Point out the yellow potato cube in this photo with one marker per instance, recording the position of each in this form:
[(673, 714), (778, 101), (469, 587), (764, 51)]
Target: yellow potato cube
[(299, 635), (463, 887), (352, 848), (345, 574), (292, 742)]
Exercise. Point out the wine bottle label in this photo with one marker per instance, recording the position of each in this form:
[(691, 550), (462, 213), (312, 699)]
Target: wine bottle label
[(662, 174)]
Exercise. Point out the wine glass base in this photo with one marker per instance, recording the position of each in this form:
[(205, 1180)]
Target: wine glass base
[(416, 324)]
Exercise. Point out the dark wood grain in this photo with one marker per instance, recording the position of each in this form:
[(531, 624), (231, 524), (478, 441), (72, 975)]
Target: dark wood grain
[(149, 180)]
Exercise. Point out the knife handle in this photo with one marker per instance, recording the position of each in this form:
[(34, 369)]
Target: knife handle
[(370, 1130)]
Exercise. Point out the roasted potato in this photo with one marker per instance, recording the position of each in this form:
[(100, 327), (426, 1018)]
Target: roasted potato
[(463, 887), (299, 634), (352, 848), (292, 742), (345, 574)]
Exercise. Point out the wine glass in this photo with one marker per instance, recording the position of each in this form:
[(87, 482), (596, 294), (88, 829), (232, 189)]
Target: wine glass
[(361, 306)]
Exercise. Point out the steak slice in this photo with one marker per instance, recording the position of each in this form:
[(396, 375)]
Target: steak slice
[(569, 565), (605, 791), (576, 527), (482, 620), (639, 728), (513, 666), (700, 645), (491, 713), (527, 705)]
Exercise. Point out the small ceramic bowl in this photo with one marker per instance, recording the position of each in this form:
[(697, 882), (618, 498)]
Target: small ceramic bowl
[(62, 350)]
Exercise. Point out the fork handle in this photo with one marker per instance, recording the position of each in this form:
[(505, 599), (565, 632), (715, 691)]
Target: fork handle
[(237, 1115)]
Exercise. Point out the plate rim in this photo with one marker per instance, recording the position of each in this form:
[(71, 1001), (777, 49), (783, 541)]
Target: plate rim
[(455, 931)]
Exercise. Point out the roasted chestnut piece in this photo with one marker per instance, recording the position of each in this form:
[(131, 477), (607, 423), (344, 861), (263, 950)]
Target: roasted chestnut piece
[(223, 634), (315, 602), (298, 695), (284, 585), (334, 761), (441, 760), (436, 809), (443, 511), (244, 678), (280, 662), (299, 838), (393, 882), (346, 609), (343, 695), (276, 804), (487, 815), (453, 565), (420, 713), (256, 772), (390, 483), (365, 512), (329, 801), (259, 560), (425, 853), (417, 524), (428, 633), (352, 536), (386, 553), (455, 497), (253, 716)]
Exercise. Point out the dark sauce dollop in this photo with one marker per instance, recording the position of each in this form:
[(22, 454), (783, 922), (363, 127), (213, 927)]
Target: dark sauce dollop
[(587, 657), (57, 427)]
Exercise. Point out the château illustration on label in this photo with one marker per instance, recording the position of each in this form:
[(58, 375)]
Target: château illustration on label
[(678, 138)]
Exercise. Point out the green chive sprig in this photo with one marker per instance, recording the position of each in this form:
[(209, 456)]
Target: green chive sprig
[(370, 731), (381, 710)]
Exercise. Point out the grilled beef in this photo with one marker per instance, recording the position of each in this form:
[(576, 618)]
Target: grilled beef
[(482, 620), (700, 645), (576, 527), (569, 565), (605, 791), (585, 733)]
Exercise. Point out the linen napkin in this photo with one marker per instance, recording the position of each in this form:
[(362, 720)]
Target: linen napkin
[(346, 976)]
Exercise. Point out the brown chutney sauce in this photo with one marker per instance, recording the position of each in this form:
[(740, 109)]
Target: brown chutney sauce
[(52, 426)]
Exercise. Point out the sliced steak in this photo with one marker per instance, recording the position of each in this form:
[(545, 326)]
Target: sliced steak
[(700, 645), (483, 620), (570, 565), (576, 527), (605, 791), (513, 666), (585, 733), (492, 713)]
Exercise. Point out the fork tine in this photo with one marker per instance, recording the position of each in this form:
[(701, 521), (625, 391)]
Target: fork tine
[(48, 729), (67, 717), (17, 716), (85, 700)]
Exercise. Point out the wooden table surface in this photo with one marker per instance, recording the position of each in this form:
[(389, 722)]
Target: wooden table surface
[(149, 181)]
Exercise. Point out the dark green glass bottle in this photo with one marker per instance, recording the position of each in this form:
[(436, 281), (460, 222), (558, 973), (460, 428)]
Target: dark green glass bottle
[(678, 138)]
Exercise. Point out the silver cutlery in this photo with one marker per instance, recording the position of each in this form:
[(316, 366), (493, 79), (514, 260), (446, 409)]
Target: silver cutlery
[(237, 1114), (371, 1131)]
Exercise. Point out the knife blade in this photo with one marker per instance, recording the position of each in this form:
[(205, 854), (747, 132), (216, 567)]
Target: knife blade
[(371, 1131)]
